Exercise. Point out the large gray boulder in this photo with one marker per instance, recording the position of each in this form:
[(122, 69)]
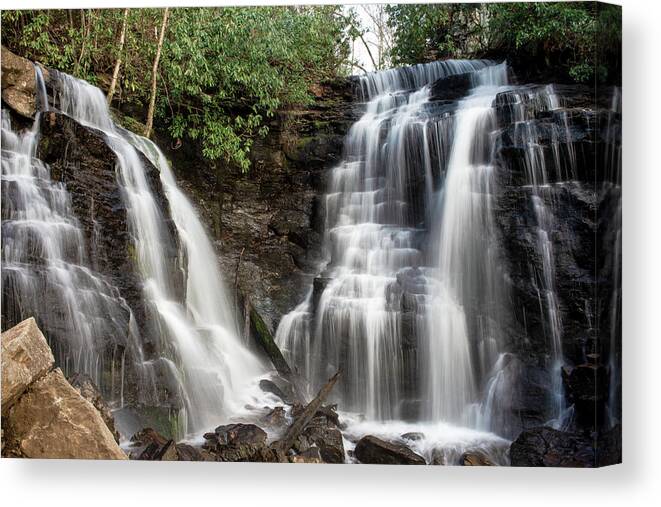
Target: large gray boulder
[(26, 357)]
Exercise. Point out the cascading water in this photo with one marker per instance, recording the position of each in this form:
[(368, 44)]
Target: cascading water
[(371, 236), (215, 373), (384, 289), (467, 277), (414, 304), (44, 265)]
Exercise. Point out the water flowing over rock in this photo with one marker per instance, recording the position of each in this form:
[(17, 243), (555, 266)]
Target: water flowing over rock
[(459, 235), (447, 238), (103, 236)]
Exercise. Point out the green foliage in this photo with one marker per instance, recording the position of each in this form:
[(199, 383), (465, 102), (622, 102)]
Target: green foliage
[(431, 31), (240, 65), (564, 34), (223, 71)]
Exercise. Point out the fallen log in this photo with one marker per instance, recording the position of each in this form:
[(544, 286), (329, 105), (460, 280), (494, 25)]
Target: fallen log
[(303, 419)]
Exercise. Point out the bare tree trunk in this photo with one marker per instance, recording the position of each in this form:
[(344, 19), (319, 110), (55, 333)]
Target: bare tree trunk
[(152, 99), (85, 31), (118, 62)]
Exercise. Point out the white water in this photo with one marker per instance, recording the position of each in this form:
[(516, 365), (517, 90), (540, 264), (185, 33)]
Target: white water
[(44, 265), (463, 252), (374, 248), (215, 372), (435, 440)]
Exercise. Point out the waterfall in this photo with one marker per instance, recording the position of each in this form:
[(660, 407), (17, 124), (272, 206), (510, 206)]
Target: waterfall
[(44, 265), (374, 247), (414, 303), (213, 369), (465, 259)]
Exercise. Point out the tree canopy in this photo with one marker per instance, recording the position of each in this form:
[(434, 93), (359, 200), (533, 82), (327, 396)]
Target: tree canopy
[(215, 75), (581, 39), (222, 71)]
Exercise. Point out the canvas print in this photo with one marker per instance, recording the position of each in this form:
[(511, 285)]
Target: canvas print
[(359, 234)]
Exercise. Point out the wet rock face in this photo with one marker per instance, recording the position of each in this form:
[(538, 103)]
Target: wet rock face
[(580, 193), (374, 451), (80, 158), (546, 447), (267, 223)]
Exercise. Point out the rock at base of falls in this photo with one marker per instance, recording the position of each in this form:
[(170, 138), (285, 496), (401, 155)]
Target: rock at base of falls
[(587, 387), (43, 415), (83, 383), (26, 357), (475, 459), (547, 447), (52, 420), (239, 442), (312, 455), (323, 432), (149, 445), (374, 451)]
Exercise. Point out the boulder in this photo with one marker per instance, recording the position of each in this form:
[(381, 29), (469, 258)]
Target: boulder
[(475, 459), (311, 455), (374, 451), (26, 357), (52, 420), (328, 439), (547, 447), (148, 444), (276, 418), (187, 452), (83, 383), (413, 435), (322, 432), (451, 88), (18, 83), (239, 442)]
